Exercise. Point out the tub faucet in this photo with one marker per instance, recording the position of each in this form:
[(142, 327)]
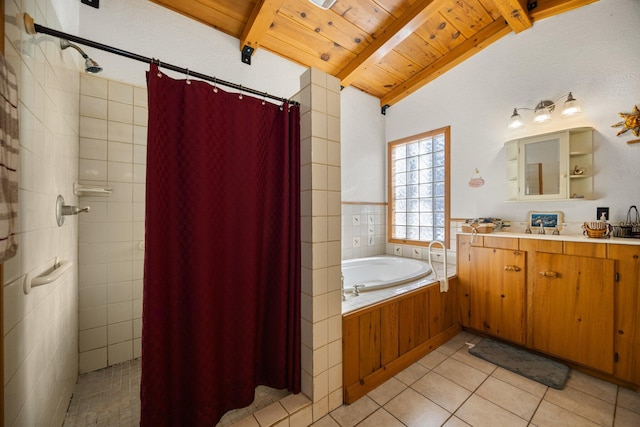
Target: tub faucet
[(444, 282), (356, 289)]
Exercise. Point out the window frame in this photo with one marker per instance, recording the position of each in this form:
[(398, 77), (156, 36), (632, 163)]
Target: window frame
[(447, 180)]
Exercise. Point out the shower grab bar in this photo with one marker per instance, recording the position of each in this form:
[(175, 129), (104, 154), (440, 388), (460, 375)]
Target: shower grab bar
[(444, 282), (53, 274), (32, 28)]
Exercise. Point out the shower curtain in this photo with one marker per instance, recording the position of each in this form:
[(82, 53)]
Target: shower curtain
[(221, 302)]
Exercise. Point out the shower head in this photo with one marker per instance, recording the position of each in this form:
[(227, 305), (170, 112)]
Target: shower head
[(90, 66)]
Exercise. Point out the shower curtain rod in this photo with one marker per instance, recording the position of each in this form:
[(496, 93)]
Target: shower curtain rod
[(33, 28)]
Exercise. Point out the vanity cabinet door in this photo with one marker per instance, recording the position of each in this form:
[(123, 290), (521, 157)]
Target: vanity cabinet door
[(497, 292), (627, 317), (571, 302), (464, 267)]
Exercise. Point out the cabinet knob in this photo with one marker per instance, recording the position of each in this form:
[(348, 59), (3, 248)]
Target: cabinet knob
[(551, 274), (511, 268)]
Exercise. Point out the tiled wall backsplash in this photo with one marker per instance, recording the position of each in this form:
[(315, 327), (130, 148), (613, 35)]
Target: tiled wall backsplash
[(113, 129), (364, 229)]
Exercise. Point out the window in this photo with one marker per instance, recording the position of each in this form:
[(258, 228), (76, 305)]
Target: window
[(419, 188)]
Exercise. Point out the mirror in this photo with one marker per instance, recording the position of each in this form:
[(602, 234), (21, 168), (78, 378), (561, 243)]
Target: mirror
[(542, 168)]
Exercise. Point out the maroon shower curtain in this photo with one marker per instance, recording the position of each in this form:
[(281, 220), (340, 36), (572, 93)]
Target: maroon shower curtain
[(221, 303)]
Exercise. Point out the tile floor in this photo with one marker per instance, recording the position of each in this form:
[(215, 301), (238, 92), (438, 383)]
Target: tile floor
[(448, 387)]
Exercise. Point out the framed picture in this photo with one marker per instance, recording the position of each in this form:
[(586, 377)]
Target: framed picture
[(547, 219)]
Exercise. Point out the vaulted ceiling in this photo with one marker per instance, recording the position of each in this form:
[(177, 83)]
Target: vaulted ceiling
[(387, 48)]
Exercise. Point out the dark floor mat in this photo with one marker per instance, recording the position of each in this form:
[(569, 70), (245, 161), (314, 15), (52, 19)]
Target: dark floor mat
[(527, 364)]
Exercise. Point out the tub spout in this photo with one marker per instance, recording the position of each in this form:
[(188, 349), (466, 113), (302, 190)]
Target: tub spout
[(444, 282), (356, 289)]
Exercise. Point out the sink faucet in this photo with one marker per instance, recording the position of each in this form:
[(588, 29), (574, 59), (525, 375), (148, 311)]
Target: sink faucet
[(541, 230), (444, 282)]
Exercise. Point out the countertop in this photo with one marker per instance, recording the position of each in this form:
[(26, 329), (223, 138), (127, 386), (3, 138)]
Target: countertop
[(563, 237)]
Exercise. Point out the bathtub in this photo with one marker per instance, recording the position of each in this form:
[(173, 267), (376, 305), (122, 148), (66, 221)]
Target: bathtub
[(381, 272)]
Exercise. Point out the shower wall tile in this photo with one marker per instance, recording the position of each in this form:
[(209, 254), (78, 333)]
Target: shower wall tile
[(120, 92), (371, 231), (95, 149), (119, 112), (94, 107), (321, 213), (113, 264), (93, 86)]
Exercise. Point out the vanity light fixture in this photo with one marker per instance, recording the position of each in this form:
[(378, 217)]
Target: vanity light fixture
[(542, 111), (323, 4)]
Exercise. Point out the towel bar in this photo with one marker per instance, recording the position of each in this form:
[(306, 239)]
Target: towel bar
[(47, 277)]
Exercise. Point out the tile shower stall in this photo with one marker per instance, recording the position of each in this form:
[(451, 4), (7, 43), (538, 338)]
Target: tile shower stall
[(113, 137)]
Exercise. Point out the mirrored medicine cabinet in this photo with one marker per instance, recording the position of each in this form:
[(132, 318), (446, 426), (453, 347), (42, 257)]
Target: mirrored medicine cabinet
[(553, 166)]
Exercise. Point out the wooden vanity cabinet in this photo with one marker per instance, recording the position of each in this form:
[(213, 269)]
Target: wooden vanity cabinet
[(492, 279), (627, 314), (571, 308)]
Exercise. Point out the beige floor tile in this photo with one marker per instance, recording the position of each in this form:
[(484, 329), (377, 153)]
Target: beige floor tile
[(550, 415), (475, 362), (601, 389), (509, 397), (271, 414), (387, 391), (381, 418), (432, 359), (413, 409), (629, 399), (455, 422), (521, 382), (466, 337), (479, 412), (412, 374), (583, 404), (350, 415), (461, 374), (326, 421), (249, 421), (626, 418), (450, 347), (442, 391)]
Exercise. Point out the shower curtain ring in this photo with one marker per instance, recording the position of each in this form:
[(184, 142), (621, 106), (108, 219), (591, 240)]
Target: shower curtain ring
[(240, 96), (188, 81), (264, 98), (215, 87), (159, 65)]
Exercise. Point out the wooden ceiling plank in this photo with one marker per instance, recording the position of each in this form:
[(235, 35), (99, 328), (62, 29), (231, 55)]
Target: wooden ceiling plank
[(393, 35), (330, 25), (470, 47), (467, 16), (440, 35), (515, 13), (226, 20), (259, 21), (364, 14), (297, 55), (418, 50)]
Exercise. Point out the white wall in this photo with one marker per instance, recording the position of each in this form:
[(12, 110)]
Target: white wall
[(41, 328), (363, 148), (586, 51), (147, 29)]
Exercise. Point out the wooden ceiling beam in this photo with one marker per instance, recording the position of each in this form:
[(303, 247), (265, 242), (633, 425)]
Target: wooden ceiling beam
[(515, 13), (258, 23), (392, 36), (549, 8), (460, 53)]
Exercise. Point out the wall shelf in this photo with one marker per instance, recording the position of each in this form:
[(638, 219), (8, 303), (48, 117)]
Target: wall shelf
[(82, 190)]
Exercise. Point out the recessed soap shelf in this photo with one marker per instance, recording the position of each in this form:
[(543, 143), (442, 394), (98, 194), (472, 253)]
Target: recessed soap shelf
[(81, 190)]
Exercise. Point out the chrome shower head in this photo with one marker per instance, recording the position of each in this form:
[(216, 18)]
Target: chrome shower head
[(90, 66)]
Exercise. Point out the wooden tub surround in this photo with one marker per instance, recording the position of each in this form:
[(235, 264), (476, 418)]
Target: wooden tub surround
[(381, 340)]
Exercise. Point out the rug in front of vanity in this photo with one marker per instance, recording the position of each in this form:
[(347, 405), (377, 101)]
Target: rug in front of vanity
[(533, 366)]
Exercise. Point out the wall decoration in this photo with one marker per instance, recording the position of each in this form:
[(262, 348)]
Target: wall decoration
[(631, 122), (476, 180), (546, 219)]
